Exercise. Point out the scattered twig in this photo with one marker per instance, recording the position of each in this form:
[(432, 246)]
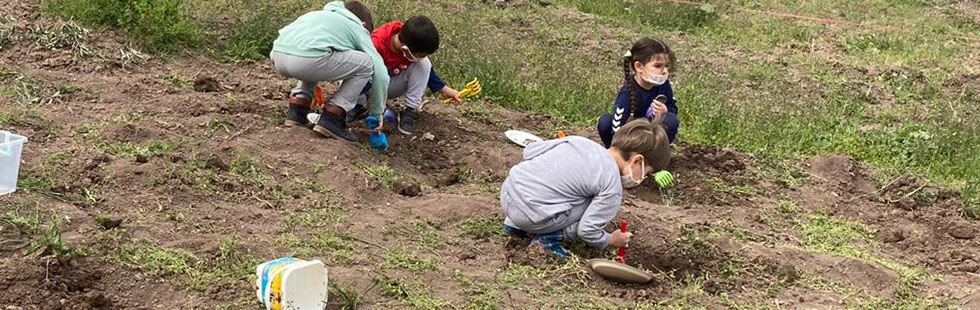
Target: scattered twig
[(239, 133), (352, 238), (263, 201)]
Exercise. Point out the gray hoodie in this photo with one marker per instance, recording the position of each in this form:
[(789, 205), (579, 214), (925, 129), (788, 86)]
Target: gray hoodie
[(570, 183)]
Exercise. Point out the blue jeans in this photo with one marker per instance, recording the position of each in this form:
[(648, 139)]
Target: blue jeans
[(671, 125)]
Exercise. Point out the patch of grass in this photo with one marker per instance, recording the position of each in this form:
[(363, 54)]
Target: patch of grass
[(825, 234), (348, 297), (316, 187), (248, 169), (50, 242), (399, 259), (694, 243), (417, 296), (158, 261), (256, 27), (151, 148), (179, 80), (10, 32), (65, 36), (480, 227), (426, 231), (157, 25), (382, 173), (230, 264), (482, 297), (788, 207), (30, 91)]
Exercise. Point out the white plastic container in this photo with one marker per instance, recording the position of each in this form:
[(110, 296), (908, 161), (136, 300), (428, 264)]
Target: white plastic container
[(10, 147), (291, 284)]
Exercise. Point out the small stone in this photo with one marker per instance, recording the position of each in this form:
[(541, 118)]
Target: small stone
[(963, 232), (972, 267), (428, 136), (407, 188)]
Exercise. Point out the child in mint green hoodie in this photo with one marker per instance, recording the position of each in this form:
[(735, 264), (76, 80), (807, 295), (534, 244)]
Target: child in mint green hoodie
[(333, 44)]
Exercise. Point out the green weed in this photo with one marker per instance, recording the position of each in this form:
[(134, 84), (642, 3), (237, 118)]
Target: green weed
[(788, 207), (483, 227), (157, 25), (399, 259), (382, 173), (349, 297), (231, 263), (825, 234), (416, 296)]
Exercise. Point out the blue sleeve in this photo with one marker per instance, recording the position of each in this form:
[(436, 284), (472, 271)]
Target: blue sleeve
[(621, 108), (435, 83), (671, 101)]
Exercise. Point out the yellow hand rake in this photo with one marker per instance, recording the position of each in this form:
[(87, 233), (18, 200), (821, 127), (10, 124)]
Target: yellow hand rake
[(472, 88)]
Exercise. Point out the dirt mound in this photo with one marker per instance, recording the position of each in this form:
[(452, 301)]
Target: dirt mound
[(843, 173), (50, 283), (709, 159)]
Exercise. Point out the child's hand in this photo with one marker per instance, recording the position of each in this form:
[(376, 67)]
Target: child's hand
[(449, 92), (659, 107), (619, 238)]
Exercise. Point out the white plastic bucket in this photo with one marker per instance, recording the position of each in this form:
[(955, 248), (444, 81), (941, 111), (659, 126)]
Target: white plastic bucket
[(291, 284), (10, 147)]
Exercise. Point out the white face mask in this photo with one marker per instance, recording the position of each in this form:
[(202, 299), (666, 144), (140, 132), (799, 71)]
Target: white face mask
[(629, 181), (656, 79)]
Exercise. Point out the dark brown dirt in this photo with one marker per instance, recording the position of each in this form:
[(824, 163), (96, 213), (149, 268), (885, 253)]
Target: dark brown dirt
[(720, 225)]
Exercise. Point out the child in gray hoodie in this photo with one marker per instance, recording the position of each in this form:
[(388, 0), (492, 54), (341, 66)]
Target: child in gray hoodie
[(569, 188)]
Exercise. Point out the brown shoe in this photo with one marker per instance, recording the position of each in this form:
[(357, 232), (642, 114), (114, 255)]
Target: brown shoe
[(296, 115)]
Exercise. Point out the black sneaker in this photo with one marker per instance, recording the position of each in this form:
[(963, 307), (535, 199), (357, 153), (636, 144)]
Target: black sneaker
[(406, 121), (334, 126), (296, 115), (358, 113)]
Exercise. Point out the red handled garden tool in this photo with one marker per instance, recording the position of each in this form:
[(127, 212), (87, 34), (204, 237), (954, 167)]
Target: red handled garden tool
[(621, 253), (620, 271)]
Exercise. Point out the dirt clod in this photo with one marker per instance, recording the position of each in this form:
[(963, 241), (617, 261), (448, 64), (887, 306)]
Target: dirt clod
[(963, 232), (107, 223), (97, 300), (890, 236), (407, 188), (140, 158), (206, 85), (216, 162)]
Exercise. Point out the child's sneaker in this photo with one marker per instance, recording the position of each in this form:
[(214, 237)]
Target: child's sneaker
[(550, 242), (514, 232), (406, 121), (298, 109), (331, 125)]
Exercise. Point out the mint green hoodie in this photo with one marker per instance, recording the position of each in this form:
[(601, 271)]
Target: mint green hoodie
[(318, 33)]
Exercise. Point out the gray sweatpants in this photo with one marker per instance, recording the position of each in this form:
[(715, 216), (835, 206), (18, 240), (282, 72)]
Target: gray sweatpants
[(410, 83), (566, 222), (354, 68)]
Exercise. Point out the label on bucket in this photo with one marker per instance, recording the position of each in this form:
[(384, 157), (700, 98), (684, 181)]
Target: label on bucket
[(268, 273), (293, 284)]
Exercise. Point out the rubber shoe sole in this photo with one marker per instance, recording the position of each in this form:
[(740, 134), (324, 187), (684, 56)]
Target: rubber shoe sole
[(329, 134)]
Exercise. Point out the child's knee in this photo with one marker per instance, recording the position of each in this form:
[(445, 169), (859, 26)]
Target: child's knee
[(605, 129), (671, 122)]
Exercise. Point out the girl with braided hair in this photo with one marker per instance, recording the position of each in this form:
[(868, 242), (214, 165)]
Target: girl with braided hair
[(646, 91)]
